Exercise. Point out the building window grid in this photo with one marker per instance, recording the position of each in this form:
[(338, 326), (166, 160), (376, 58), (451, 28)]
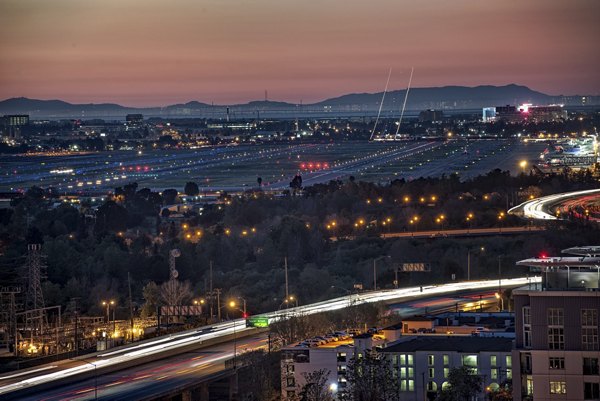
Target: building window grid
[(556, 317), (556, 332), (527, 327), (589, 330)]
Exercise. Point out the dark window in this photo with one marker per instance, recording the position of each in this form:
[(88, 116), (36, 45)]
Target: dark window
[(557, 363), (556, 338), (591, 391), (590, 366)]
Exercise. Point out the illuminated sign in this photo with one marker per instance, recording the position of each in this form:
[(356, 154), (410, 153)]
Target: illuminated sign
[(415, 267), (257, 321)]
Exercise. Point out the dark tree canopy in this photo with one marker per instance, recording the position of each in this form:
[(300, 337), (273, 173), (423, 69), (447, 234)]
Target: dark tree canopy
[(191, 189)]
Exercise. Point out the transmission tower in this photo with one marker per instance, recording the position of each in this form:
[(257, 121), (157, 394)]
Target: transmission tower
[(36, 271)]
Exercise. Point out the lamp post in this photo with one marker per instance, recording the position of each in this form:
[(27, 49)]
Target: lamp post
[(287, 301), (375, 270), (233, 305), (108, 304), (500, 280), (95, 378), (481, 249)]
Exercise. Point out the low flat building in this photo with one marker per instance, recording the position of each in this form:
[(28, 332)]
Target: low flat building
[(422, 363)]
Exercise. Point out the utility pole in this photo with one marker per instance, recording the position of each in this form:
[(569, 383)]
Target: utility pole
[(130, 304), (210, 280), (468, 264), (375, 274), (287, 293), (500, 280), (218, 292)]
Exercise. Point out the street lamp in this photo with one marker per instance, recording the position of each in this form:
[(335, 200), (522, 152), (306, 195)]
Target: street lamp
[(500, 280), (481, 249), (108, 304), (375, 270), (287, 301), (501, 298), (523, 164), (95, 378), (233, 305)]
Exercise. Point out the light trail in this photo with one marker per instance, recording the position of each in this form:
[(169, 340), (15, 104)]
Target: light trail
[(171, 345), (539, 208)]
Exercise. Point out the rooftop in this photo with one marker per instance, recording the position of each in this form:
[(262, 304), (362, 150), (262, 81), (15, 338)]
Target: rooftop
[(452, 343)]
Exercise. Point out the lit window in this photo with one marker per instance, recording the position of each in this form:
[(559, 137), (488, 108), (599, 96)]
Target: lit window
[(430, 360), (529, 385), (493, 360), (470, 361), (558, 387), (446, 360)]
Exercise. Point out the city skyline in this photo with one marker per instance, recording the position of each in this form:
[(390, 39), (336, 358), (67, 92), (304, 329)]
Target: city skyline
[(149, 54)]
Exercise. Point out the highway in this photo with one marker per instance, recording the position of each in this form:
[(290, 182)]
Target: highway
[(168, 346), (152, 378), (463, 232), (541, 208)]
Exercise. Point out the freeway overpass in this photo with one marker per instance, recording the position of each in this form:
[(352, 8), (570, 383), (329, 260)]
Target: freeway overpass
[(203, 350)]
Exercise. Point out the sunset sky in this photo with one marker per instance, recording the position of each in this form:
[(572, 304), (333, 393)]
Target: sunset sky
[(151, 52)]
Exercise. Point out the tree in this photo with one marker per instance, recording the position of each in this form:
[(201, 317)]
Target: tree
[(259, 376), (259, 181), (315, 387), (370, 378), (463, 385), (296, 183), (502, 393), (175, 292), (151, 293), (169, 196), (191, 189), (111, 217)]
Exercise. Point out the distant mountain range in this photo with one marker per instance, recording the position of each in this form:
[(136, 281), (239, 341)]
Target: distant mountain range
[(445, 98)]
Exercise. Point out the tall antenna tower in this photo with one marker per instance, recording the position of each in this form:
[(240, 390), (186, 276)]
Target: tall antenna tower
[(36, 271)]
